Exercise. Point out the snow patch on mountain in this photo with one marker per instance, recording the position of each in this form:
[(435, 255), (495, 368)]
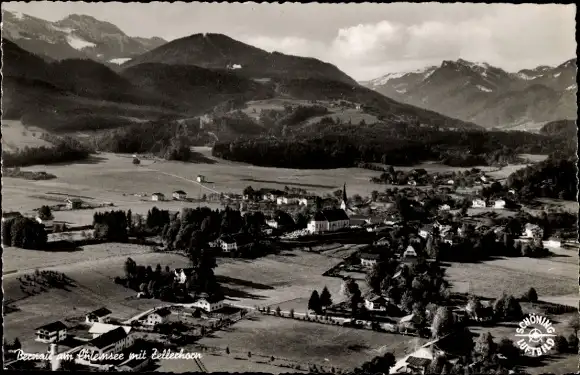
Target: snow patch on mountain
[(483, 88), (67, 30), (571, 87), (557, 75), (526, 77), (78, 43), (120, 60), (17, 15), (402, 91)]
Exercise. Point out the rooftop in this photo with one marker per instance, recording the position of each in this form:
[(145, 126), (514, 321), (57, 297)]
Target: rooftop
[(108, 338), (370, 256), (103, 311), (54, 326)]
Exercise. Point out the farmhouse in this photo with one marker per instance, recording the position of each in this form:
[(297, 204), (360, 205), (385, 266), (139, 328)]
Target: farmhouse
[(73, 203), (410, 323), (112, 342), (292, 199), (157, 197), (307, 201), (444, 207), (200, 178), (416, 362), (478, 203), (384, 241), (481, 313), (98, 329), (375, 303), (369, 260), (328, 221), (499, 203), (157, 317), (179, 195), (235, 242), (101, 315), (209, 303), (410, 252), (52, 332), (533, 231)]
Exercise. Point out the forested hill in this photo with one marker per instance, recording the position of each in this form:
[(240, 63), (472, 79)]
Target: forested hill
[(328, 145)]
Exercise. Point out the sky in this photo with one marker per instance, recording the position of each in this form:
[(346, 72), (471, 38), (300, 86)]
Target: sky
[(364, 40)]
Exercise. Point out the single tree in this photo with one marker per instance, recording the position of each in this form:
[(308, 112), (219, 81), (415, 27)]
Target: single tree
[(443, 322), (45, 213), (485, 347), (531, 295), (278, 311), (227, 350), (314, 302), (325, 298), (574, 323)]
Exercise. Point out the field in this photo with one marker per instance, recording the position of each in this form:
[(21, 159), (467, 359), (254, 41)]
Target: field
[(271, 280), (16, 135), (554, 278), (303, 342)]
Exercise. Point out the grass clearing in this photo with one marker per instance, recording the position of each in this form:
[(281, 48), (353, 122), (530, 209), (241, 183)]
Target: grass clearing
[(16, 135), (550, 277), (307, 342)]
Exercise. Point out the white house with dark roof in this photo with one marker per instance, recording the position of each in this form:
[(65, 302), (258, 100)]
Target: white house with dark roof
[(111, 342), (97, 329), (209, 303), (101, 315), (375, 303), (369, 260), (499, 203), (410, 252), (179, 195), (478, 203), (157, 197), (52, 332), (158, 316), (73, 203), (533, 231)]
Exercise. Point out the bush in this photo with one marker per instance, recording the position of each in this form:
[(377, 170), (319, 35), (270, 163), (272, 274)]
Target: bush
[(531, 295), (561, 344), (573, 343), (118, 280)]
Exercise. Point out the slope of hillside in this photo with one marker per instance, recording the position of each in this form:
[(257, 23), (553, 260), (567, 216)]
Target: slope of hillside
[(486, 95), (217, 51), (76, 36)]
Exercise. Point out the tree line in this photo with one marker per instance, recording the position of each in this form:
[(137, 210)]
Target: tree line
[(336, 146), (65, 149)]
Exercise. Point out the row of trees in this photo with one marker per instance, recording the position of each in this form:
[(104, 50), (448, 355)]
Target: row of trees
[(65, 149), (25, 233), (318, 302)]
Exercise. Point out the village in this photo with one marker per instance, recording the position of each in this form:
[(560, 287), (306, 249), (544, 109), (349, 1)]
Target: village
[(392, 277)]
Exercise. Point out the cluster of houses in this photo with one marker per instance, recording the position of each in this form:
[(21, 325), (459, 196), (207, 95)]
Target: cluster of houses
[(178, 195), (108, 338), (480, 203)]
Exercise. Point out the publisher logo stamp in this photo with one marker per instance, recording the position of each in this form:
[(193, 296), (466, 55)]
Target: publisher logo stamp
[(536, 335)]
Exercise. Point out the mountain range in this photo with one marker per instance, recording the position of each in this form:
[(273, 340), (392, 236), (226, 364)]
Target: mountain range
[(487, 95), (76, 36), (69, 89)]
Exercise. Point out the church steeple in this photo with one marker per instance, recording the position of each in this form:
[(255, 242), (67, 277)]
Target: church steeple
[(343, 204)]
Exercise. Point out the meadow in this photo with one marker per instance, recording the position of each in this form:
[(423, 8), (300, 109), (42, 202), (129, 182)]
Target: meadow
[(16, 135), (554, 278), (306, 342)]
